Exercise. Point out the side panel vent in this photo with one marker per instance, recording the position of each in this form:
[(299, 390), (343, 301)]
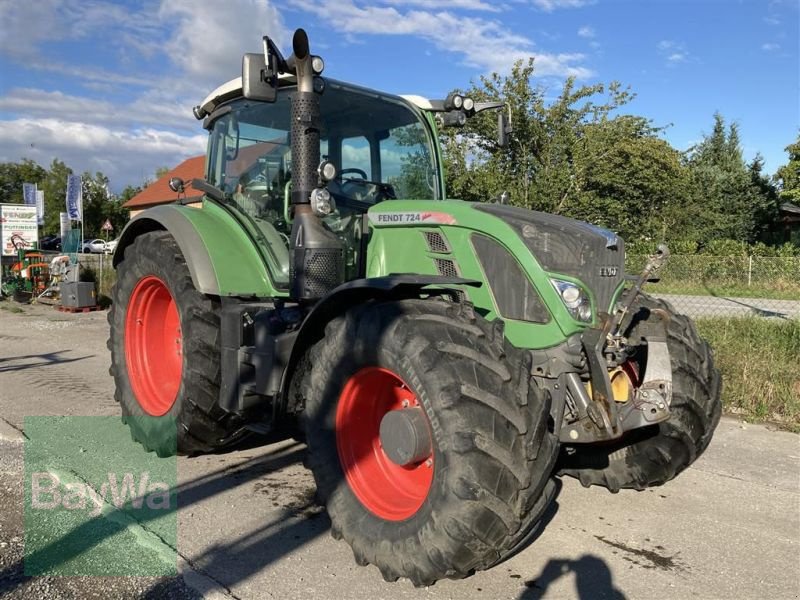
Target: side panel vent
[(446, 267), (436, 242)]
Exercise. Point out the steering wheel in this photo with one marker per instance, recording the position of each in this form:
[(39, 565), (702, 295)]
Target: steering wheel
[(356, 171)]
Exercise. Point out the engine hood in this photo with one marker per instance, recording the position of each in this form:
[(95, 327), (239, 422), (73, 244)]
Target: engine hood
[(566, 246)]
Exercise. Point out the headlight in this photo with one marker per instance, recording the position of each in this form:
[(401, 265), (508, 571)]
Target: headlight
[(321, 202), (574, 298), (326, 170)]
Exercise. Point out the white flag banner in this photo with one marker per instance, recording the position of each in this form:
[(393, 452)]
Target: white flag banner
[(29, 194), (74, 197), (40, 206)]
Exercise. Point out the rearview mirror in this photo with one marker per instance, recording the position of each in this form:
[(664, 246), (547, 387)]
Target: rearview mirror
[(503, 128), (259, 81)]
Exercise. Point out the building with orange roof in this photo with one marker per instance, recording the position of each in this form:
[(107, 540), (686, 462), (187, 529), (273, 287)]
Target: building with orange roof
[(158, 192)]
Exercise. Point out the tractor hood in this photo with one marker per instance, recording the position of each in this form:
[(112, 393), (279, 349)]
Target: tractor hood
[(565, 246)]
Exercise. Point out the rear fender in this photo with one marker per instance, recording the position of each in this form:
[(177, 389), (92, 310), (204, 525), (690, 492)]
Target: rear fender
[(222, 259)]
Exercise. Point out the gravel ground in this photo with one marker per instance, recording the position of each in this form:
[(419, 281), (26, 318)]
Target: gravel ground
[(248, 526)]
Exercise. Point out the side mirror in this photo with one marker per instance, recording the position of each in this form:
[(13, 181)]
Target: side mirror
[(503, 128), (259, 80), (176, 184)]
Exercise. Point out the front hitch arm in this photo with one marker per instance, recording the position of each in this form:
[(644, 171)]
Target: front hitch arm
[(600, 417)]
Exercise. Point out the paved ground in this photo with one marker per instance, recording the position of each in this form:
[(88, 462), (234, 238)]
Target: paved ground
[(248, 528), (718, 306)]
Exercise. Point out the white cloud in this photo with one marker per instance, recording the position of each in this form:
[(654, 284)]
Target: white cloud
[(483, 44), (126, 156), (674, 52), (551, 5), (586, 32), (153, 126), (450, 4), (148, 109), (770, 47), (209, 38)]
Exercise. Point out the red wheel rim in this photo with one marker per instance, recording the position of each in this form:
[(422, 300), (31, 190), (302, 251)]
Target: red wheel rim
[(153, 346), (385, 488)]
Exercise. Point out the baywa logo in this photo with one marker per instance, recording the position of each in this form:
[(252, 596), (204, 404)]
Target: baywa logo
[(47, 493), (97, 503)]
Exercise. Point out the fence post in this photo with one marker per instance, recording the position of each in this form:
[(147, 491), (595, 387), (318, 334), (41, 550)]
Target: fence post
[(750, 271)]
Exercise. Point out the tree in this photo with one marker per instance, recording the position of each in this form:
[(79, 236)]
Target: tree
[(574, 156), (728, 198), (99, 204), (537, 166), (13, 175), (788, 176)]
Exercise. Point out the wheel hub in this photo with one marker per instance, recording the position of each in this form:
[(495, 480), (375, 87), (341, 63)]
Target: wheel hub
[(384, 443), (153, 346), (405, 436)]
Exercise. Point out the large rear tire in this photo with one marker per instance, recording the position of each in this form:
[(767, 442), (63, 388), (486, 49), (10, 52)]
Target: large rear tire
[(476, 495), (165, 353), (654, 455)]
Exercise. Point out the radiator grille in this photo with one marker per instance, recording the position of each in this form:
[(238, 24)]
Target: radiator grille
[(436, 242), (446, 267)]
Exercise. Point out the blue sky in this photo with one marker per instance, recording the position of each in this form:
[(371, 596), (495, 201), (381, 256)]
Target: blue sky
[(109, 85)]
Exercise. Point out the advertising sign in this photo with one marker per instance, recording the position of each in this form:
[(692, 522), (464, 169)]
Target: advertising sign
[(74, 199), (17, 221)]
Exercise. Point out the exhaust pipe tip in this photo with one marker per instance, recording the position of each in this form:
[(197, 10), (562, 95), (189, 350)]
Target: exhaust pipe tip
[(300, 44)]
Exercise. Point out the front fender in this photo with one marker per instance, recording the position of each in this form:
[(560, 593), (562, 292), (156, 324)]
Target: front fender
[(222, 259), (357, 292)]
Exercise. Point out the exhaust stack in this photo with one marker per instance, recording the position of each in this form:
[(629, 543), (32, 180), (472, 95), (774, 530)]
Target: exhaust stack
[(316, 253)]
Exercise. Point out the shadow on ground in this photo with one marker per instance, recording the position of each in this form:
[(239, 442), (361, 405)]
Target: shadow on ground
[(13, 363), (593, 579)]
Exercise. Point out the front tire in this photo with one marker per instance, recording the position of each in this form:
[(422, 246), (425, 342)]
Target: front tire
[(475, 496), (165, 352), (654, 455)]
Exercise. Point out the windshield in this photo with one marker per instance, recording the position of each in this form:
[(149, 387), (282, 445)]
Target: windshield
[(380, 147)]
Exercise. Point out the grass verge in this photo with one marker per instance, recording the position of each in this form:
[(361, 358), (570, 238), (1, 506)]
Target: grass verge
[(760, 364), (693, 288)]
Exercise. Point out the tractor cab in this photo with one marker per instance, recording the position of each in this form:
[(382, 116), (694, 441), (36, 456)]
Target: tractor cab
[(372, 147)]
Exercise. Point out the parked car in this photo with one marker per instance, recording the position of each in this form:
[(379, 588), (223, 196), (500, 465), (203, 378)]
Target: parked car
[(111, 246), (51, 242), (95, 246)]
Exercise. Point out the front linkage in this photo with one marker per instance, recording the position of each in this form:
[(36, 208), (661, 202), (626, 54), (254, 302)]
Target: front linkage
[(596, 414)]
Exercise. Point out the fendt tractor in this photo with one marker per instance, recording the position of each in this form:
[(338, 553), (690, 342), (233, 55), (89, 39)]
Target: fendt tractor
[(447, 360)]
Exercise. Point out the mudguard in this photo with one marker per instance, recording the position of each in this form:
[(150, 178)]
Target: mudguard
[(222, 259), (356, 292)]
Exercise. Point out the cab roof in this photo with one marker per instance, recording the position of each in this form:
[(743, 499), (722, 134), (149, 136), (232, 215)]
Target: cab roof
[(233, 88)]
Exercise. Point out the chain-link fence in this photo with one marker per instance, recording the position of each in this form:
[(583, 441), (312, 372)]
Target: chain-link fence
[(728, 286)]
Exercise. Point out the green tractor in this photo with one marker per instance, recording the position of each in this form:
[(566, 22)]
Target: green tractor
[(446, 359)]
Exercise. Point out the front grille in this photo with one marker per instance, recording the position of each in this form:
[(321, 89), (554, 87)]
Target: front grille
[(570, 247), (513, 293), (436, 242), (446, 267)]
